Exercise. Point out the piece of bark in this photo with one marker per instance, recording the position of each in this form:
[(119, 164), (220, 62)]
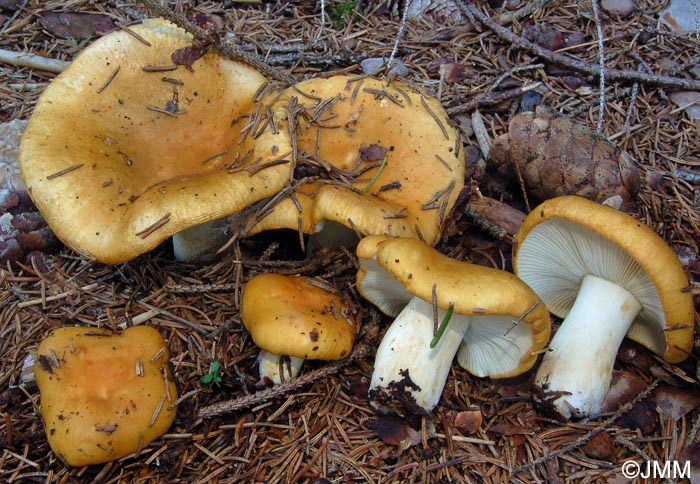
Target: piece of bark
[(496, 218)]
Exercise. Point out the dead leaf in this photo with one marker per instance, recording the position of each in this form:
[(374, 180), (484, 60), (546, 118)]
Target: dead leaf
[(674, 402), (373, 152), (78, 26), (394, 430), (452, 72), (469, 421), (601, 446), (642, 416), (624, 387), (187, 55)]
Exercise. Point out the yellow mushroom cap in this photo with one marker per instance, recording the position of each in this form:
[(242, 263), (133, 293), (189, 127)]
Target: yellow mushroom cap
[(394, 269), (120, 154), (666, 321), (286, 315), (104, 395), (424, 170)]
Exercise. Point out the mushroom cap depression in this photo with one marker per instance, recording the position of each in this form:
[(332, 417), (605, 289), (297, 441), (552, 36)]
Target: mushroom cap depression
[(286, 315), (125, 148), (508, 321), (350, 125), (104, 395), (565, 238)]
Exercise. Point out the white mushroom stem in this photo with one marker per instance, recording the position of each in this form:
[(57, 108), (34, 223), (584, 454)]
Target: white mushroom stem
[(408, 374), (200, 243), (582, 352), (278, 368)]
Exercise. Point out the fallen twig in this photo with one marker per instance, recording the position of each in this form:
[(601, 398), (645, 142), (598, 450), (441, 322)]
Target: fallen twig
[(490, 98), (582, 440), (360, 350), (575, 64), (206, 37), (33, 61)]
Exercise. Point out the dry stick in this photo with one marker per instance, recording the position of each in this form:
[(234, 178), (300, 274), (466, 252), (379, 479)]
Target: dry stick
[(490, 98), (601, 60), (582, 440), (361, 350), (32, 61), (228, 49), (577, 65)]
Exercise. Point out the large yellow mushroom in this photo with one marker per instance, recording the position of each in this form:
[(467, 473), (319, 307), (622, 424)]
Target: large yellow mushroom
[(104, 395), (490, 320), (396, 163), (608, 276), (126, 148)]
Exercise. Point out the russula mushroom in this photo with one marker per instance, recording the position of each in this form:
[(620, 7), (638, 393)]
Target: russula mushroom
[(298, 318), (495, 321), (125, 148), (104, 395), (609, 276), (395, 162)]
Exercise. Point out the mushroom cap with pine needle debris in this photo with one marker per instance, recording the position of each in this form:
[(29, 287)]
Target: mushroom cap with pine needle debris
[(491, 321), (395, 269), (398, 165), (104, 395), (126, 148), (288, 315)]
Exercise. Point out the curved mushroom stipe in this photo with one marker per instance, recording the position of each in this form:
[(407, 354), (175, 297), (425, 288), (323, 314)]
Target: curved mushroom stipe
[(498, 323), (609, 276)]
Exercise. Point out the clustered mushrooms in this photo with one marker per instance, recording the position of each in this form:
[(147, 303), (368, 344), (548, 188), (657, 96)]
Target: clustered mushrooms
[(608, 275), (126, 148), (104, 395), (397, 165), (298, 318), (497, 322)]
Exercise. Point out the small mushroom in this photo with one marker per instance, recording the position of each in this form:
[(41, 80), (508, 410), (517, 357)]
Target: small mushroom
[(491, 319), (104, 395), (394, 162), (609, 276), (298, 318), (126, 148)]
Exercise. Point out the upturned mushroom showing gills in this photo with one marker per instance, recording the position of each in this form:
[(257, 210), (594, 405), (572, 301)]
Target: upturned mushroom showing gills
[(390, 162), (292, 319), (104, 395), (609, 276), (440, 306), (126, 147)]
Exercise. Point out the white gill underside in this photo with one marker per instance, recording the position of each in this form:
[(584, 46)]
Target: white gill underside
[(556, 255), (494, 345), (382, 290)]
